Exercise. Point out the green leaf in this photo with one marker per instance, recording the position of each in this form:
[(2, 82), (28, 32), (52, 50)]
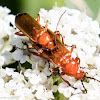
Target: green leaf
[(99, 35), (56, 79), (59, 96), (85, 80), (26, 65), (12, 65)]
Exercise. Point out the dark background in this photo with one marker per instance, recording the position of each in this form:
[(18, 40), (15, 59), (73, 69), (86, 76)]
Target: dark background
[(30, 6)]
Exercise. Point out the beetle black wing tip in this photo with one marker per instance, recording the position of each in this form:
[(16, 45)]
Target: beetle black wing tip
[(19, 15)]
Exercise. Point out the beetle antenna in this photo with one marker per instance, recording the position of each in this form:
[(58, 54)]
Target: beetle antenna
[(57, 25), (92, 78), (60, 19), (88, 78)]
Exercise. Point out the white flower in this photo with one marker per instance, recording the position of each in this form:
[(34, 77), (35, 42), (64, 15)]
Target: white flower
[(4, 11), (28, 73), (10, 19), (2, 73), (16, 41), (43, 77), (61, 87), (18, 77), (1, 83), (7, 57), (1, 43), (97, 63), (34, 79), (43, 94), (19, 56), (67, 92), (10, 85), (1, 61), (20, 85), (24, 93), (37, 60), (34, 88), (75, 97), (46, 70), (9, 71)]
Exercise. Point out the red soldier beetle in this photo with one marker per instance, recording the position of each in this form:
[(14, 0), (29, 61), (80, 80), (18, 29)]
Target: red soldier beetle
[(50, 47)]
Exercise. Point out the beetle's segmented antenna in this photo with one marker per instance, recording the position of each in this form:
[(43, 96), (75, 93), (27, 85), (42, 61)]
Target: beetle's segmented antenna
[(57, 25), (60, 19), (92, 78)]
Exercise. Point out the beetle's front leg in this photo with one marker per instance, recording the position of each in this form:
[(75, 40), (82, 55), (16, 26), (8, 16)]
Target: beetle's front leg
[(46, 25), (57, 33), (38, 18), (34, 46), (72, 48), (52, 69), (19, 34)]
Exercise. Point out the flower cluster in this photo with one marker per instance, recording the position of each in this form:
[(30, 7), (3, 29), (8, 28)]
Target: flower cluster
[(38, 83)]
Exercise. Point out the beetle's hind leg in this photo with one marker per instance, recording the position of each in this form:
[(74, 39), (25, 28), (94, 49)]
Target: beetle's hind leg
[(84, 87), (66, 80), (85, 90)]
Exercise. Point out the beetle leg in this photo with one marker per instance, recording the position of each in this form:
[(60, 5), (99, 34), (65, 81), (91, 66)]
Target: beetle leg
[(54, 69), (33, 46), (66, 80), (77, 60), (46, 25), (57, 33), (35, 53), (38, 18), (84, 86), (19, 34), (72, 48), (39, 54)]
